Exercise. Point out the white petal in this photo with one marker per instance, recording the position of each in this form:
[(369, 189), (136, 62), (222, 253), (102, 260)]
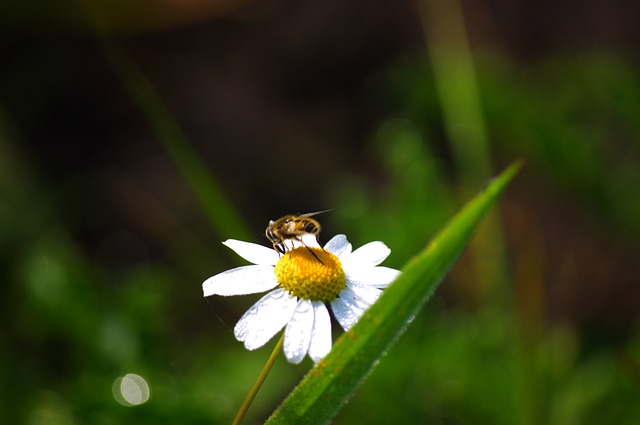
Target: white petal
[(338, 245), (351, 304), (310, 240), (297, 334), (265, 318), (253, 253), (365, 296), (371, 254), (377, 277), (241, 281), (305, 240), (346, 312), (321, 334)]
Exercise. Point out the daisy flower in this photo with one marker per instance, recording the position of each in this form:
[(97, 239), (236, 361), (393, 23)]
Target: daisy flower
[(302, 281)]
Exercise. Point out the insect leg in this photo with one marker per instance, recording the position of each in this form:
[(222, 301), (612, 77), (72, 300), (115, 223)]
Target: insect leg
[(313, 253)]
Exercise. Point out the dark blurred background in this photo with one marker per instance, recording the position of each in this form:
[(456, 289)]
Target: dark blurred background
[(134, 138)]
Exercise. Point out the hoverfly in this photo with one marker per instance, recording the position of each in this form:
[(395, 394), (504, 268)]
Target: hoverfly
[(292, 227)]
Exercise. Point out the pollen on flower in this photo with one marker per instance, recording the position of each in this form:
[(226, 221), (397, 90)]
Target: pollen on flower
[(311, 273)]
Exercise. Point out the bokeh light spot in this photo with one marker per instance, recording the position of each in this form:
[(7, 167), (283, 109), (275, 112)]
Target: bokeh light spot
[(131, 390)]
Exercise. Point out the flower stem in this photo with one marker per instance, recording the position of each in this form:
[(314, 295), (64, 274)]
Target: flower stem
[(256, 386)]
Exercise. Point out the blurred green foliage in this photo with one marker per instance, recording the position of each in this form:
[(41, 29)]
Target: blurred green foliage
[(70, 327)]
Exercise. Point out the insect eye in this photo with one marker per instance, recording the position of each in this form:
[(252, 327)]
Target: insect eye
[(309, 227)]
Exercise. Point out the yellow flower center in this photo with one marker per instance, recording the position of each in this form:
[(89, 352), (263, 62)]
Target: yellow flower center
[(311, 273)]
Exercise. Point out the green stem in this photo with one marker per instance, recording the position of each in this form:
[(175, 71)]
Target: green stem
[(256, 386)]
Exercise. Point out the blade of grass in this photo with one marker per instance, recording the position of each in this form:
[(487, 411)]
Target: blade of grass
[(455, 79), (218, 209), (459, 94), (328, 386)]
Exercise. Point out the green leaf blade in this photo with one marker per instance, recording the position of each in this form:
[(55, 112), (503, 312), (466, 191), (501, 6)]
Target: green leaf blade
[(330, 384)]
